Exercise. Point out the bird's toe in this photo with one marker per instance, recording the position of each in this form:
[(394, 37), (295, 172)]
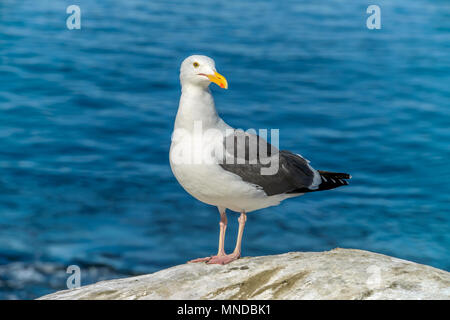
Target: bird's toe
[(225, 259), (206, 259)]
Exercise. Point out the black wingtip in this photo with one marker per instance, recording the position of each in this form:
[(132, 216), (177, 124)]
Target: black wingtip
[(337, 175), (331, 180)]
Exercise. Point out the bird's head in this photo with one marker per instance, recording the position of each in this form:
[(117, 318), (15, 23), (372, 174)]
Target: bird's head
[(201, 71)]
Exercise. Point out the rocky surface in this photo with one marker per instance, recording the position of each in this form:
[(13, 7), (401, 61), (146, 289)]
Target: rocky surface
[(335, 274)]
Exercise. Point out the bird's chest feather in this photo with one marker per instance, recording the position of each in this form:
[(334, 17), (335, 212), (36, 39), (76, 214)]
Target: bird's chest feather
[(207, 182)]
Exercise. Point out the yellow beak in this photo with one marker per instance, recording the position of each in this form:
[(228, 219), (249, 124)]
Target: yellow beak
[(218, 79)]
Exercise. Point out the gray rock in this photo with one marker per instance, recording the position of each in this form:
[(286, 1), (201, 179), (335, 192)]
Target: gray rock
[(335, 274)]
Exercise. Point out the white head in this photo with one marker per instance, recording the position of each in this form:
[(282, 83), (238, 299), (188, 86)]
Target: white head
[(200, 71)]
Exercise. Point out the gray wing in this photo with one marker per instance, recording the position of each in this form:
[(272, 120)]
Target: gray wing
[(250, 157)]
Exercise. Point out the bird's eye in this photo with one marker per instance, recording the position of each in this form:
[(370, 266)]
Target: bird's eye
[(196, 64)]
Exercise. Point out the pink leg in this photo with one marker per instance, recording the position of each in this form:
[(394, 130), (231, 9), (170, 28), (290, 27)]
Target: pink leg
[(225, 259), (223, 228)]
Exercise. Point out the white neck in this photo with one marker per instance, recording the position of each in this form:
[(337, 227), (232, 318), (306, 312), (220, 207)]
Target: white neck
[(196, 104)]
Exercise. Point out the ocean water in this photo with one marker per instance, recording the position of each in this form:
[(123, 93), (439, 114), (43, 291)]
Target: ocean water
[(86, 117)]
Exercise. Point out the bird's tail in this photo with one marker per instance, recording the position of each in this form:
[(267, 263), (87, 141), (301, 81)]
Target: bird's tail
[(331, 180)]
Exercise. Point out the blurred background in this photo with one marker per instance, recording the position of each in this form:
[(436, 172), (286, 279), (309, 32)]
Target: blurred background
[(86, 118)]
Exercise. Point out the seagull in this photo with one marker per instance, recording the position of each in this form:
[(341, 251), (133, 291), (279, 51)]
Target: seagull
[(229, 168)]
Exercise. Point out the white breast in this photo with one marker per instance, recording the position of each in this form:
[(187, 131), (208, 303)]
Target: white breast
[(211, 184)]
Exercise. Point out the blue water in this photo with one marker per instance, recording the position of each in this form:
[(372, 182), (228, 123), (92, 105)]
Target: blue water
[(86, 118)]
